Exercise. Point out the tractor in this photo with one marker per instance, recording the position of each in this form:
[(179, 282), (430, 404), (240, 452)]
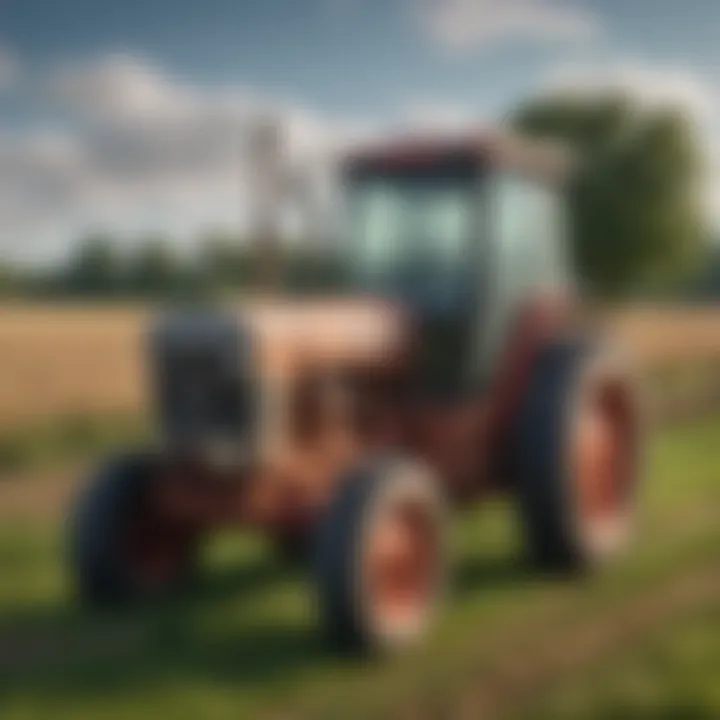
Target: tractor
[(458, 362)]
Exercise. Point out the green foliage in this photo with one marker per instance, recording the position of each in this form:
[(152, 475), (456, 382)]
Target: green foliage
[(8, 281), (704, 284), (633, 198), (94, 268), (155, 269), (310, 270), (75, 437), (225, 263), (99, 268)]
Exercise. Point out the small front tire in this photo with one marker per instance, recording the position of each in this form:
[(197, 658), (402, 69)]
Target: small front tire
[(122, 548)]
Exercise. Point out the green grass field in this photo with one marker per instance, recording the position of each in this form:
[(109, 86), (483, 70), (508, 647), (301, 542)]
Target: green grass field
[(68, 439), (640, 640)]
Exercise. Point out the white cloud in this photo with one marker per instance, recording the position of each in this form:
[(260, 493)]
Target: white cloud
[(654, 86), (141, 151), (9, 68), (128, 90), (436, 115), (461, 24)]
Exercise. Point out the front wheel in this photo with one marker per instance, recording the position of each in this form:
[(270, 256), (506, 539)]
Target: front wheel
[(577, 456), (380, 557), (122, 547)]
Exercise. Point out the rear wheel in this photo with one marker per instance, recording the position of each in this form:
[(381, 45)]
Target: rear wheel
[(577, 456), (122, 547), (381, 561)]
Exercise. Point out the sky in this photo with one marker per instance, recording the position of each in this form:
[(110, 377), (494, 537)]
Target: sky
[(129, 117)]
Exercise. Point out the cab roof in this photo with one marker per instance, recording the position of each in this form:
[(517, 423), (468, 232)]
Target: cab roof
[(469, 152)]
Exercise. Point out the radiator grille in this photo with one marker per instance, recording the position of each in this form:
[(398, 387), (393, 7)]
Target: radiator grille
[(204, 380)]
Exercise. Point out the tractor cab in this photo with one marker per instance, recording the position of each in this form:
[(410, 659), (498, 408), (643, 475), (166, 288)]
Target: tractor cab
[(463, 235)]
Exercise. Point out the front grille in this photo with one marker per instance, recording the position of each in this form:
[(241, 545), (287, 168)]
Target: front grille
[(203, 380)]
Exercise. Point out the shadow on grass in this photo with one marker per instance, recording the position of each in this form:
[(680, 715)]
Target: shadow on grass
[(61, 653), (492, 571), (67, 651)]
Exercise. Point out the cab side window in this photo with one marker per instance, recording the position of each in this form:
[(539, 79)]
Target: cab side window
[(530, 232), (528, 251)]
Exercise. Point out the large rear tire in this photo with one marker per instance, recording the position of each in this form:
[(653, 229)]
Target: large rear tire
[(577, 456), (122, 548), (381, 558)]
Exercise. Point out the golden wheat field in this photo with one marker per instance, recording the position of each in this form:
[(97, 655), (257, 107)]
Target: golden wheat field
[(665, 335), (72, 360), (83, 360)]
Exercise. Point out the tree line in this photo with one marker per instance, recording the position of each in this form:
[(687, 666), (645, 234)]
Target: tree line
[(103, 267)]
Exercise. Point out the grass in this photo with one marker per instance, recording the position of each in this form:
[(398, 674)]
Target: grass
[(72, 438), (672, 674), (637, 638)]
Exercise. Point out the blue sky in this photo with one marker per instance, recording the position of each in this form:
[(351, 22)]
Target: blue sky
[(358, 56), (93, 92)]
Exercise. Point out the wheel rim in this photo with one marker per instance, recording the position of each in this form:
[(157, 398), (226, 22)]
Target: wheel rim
[(154, 552), (603, 459), (401, 568)]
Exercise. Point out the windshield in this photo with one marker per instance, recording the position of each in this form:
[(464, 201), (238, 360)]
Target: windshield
[(413, 236)]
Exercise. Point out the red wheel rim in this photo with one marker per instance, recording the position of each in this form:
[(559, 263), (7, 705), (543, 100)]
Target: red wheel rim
[(602, 459), (401, 566)]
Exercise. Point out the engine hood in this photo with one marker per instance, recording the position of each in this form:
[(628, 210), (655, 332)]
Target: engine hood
[(290, 335)]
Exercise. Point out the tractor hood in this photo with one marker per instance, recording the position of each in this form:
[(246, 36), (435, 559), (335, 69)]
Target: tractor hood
[(291, 335)]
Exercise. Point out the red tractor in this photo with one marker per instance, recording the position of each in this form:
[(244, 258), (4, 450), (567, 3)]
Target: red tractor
[(457, 364)]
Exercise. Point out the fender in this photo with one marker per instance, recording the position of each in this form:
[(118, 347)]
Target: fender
[(540, 320)]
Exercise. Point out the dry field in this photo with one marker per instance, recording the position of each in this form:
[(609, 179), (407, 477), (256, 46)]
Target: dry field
[(56, 362), (659, 336), (85, 361)]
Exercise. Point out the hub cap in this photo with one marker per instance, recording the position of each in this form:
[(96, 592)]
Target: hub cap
[(602, 457), (401, 567)]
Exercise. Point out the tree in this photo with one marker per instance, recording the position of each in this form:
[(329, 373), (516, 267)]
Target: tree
[(704, 284), (9, 280), (155, 270), (634, 213), (309, 269), (93, 268), (225, 262)]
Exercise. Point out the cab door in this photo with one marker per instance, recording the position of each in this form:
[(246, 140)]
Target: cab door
[(526, 255)]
